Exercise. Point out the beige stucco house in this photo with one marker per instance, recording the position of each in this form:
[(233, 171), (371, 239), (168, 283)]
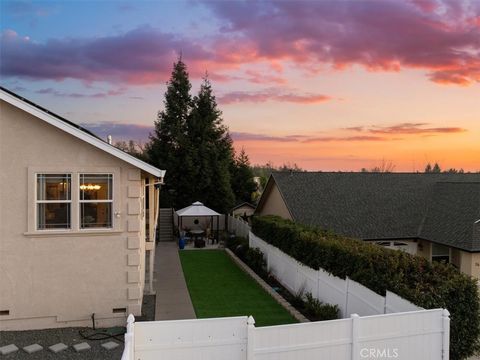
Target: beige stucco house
[(73, 227), (436, 216)]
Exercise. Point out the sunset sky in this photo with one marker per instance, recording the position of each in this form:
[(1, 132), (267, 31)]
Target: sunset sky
[(329, 85)]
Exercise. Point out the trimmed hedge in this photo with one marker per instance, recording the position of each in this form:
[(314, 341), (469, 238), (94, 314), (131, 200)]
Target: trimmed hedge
[(429, 285)]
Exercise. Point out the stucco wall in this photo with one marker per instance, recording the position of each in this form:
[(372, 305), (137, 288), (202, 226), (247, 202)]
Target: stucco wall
[(274, 204), (59, 279), (456, 257), (470, 263), (466, 262), (424, 249)]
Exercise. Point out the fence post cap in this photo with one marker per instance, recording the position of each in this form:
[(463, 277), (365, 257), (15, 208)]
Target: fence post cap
[(446, 313), (251, 320), (354, 316), (130, 319)]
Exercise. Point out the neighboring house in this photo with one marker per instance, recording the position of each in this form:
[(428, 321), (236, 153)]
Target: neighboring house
[(73, 234), (242, 210), (436, 216)]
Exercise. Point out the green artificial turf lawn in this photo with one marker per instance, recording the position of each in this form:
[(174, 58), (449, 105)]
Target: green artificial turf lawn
[(219, 288)]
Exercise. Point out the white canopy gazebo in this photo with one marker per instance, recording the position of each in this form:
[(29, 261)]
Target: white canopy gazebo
[(197, 209)]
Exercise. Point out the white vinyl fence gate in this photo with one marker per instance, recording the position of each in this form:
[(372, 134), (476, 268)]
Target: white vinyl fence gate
[(417, 335)]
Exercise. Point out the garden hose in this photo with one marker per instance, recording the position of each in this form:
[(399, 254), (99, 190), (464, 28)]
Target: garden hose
[(113, 332)]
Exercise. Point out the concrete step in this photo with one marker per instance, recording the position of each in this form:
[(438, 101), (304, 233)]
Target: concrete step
[(165, 227)]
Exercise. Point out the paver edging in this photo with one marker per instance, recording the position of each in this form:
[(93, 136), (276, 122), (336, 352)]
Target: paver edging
[(56, 348), (278, 298)]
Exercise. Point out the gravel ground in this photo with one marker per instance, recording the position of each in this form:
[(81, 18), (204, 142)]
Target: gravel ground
[(69, 336)]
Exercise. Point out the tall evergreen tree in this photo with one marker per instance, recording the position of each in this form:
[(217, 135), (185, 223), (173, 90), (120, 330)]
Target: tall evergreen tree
[(191, 142), (168, 147), (436, 168), (433, 169), (211, 151), (242, 178)]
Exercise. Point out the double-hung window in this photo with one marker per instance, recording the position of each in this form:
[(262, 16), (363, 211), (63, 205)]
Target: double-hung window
[(96, 199), (53, 201), (440, 253)]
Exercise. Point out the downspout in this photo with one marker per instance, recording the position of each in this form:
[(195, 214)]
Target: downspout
[(152, 253), (156, 209)]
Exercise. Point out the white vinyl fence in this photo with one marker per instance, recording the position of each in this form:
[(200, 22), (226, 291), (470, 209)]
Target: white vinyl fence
[(218, 338), (350, 296), (418, 335), (238, 226)]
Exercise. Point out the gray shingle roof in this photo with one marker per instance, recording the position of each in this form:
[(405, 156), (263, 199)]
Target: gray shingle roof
[(451, 214), (438, 207)]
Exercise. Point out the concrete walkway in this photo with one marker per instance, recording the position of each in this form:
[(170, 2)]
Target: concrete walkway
[(172, 301)]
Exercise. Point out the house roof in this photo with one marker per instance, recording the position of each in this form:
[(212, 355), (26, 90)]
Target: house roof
[(75, 130), (442, 208), (243, 204), (453, 215)]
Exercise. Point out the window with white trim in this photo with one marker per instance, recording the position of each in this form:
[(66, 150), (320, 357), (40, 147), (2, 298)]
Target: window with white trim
[(96, 200), (53, 201), (440, 253)]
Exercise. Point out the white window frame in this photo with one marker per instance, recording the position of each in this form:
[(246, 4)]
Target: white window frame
[(436, 256), (111, 201), (37, 228)]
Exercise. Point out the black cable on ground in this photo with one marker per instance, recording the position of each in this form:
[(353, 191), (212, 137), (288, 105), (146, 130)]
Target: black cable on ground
[(103, 335), (110, 333)]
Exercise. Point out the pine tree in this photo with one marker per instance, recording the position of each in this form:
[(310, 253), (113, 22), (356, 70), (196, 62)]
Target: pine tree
[(436, 168), (211, 151), (168, 147), (433, 169), (191, 142), (242, 178)]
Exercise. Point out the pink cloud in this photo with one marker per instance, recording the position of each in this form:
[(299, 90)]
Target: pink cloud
[(347, 138), (439, 37), (258, 77), (272, 95), (407, 128), (380, 35), (141, 56), (244, 136)]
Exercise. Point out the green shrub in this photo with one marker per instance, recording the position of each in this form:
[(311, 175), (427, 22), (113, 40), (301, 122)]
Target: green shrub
[(297, 301), (429, 285), (318, 311), (233, 242), (254, 259)]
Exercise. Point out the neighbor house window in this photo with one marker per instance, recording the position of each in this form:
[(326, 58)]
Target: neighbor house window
[(440, 253), (54, 201), (96, 200)]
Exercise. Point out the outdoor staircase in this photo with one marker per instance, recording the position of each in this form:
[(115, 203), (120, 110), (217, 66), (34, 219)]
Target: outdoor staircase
[(165, 225)]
